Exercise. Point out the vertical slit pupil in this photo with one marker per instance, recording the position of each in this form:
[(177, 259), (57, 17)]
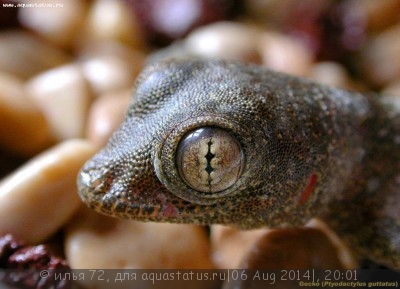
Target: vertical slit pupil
[(209, 156)]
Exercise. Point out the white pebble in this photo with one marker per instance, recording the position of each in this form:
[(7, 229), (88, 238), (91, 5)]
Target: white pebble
[(110, 67), (64, 96), (60, 25), (282, 53), (227, 40), (330, 73)]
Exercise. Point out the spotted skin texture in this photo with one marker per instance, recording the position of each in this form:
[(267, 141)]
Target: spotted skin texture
[(309, 151)]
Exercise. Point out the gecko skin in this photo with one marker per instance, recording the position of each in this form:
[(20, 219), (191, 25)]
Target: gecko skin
[(219, 142)]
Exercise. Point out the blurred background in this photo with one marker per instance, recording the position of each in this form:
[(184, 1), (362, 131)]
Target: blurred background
[(66, 71)]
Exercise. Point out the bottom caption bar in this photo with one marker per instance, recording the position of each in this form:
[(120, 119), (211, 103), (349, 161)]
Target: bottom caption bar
[(204, 279)]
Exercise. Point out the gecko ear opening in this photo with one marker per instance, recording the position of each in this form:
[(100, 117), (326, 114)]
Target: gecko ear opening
[(201, 160)]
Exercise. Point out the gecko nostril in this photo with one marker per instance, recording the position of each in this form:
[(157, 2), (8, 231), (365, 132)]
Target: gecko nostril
[(94, 181), (209, 159)]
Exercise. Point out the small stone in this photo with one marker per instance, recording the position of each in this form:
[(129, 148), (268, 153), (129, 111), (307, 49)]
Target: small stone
[(8, 246), (229, 245), (27, 131), (379, 15), (64, 97), (392, 88), (285, 249), (24, 55), (346, 257), (58, 21), (38, 198), (379, 61), (227, 40), (94, 241), (110, 67), (105, 115), (111, 20), (23, 265), (330, 73), (126, 244), (284, 53)]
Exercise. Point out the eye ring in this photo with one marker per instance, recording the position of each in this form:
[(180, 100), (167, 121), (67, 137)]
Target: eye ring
[(165, 156)]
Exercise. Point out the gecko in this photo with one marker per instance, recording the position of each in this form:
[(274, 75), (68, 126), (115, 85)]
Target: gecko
[(223, 142)]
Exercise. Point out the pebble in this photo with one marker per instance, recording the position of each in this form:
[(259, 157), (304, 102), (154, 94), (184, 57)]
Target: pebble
[(26, 131), (64, 97), (379, 15), (23, 54), (41, 196), (59, 25), (110, 66), (291, 249), (330, 73), (297, 248), (105, 115), (134, 245), (392, 88), (346, 257), (228, 40), (94, 241), (301, 248), (285, 54), (229, 245), (112, 20), (380, 61)]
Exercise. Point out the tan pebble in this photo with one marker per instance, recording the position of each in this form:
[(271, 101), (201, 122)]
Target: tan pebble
[(37, 199), (330, 73), (229, 245), (25, 131), (377, 14), (105, 115), (224, 40), (94, 241), (380, 61), (25, 55), (283, 53), (111, 67), (346, 257), (57, 24), (285, 249), (392, 88), (133, 245), (64, 96), (113, 20), (296, 248)]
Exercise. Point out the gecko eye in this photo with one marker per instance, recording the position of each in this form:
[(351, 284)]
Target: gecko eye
[(209, 159)]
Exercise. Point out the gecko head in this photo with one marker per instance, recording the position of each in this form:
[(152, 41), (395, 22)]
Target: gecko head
[(199, 144)]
